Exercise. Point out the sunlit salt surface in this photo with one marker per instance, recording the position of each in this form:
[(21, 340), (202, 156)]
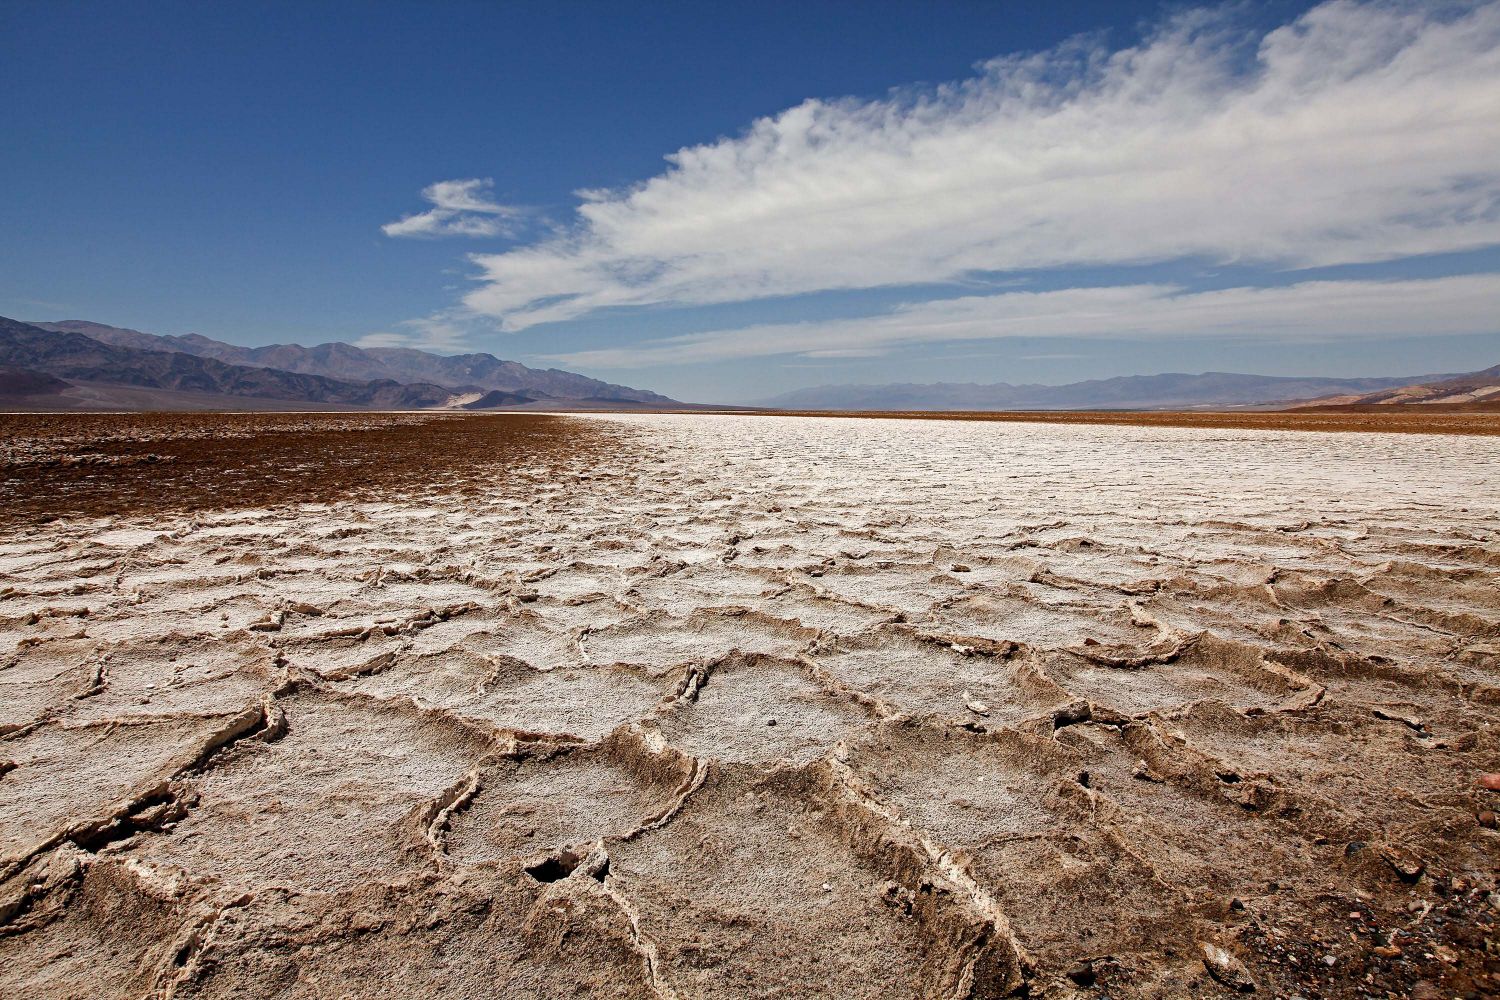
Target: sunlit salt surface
[(752, 706)]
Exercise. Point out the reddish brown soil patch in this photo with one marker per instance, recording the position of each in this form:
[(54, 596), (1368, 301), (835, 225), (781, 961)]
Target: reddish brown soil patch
[(88, 465)]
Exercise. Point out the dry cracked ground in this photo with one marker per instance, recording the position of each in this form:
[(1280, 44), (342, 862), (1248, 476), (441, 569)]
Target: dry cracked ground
[(723, 707)]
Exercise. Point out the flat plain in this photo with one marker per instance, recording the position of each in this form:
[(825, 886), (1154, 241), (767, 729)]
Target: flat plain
[(691, 706)]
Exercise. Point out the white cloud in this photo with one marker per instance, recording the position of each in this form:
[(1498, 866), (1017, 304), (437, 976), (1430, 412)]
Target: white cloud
[(460, 208), (1360, 132), (431, 334), (1468, 304)]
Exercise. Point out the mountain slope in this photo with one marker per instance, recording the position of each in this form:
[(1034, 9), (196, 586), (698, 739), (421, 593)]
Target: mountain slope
[(1131, 392), (1474, 391), (16, 382), (344, 361), (74, 356)]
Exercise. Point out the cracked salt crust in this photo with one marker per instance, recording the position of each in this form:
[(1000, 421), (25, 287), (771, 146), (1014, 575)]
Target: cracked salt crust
[(749, 706)]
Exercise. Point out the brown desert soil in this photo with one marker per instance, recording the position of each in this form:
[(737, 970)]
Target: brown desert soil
[(96, 465), (668, 707)]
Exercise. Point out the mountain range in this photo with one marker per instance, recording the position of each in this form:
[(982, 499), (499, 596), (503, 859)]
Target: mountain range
[(397, 364), (81, 365), (75, 357), (1129, 392), (76, 364)]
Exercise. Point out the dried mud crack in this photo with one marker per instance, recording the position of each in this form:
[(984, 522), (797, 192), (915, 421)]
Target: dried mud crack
[(718, 707)]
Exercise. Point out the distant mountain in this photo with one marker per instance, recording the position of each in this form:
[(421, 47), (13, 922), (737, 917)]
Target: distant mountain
[(75, 357), (1131, 392), (1474, 391), (399, 364)]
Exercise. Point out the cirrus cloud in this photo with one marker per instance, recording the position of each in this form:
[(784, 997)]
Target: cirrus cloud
[(1465, 304), (1359, 132), (460, 208)]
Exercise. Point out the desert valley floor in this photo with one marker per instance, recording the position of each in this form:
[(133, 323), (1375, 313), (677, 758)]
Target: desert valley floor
[(733, 706)]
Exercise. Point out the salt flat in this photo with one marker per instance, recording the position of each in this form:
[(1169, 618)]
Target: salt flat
[(746, 706)]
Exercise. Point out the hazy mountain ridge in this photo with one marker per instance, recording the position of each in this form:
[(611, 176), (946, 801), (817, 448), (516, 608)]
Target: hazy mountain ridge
[(1165, 391), (74, 356), (400, 364)]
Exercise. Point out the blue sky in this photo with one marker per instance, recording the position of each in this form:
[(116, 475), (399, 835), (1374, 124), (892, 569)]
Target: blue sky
[(872, 192)]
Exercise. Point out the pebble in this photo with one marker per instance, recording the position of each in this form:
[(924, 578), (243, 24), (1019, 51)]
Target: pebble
[(1406, 865), (1387, 950), (1487, 819), (1490, 781), (1226, 968), (1143, 772)]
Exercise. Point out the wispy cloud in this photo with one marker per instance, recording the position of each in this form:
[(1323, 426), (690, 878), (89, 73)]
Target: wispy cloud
[(460, 208), (1315, 309), (1359, 132), (439, 334), (1052, 357)]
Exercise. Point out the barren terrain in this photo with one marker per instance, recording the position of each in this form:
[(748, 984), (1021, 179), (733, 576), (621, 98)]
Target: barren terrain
[(320, 706)]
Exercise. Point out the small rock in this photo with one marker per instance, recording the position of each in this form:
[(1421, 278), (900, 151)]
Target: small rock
[(977, 707), (1490, 781), (1226, 968), (827, 887), (1406, 864), (1387, 950), (960, 568), (1143, 771), (1487, 819), (1083, 974), (770, 722), (1330, 960)]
